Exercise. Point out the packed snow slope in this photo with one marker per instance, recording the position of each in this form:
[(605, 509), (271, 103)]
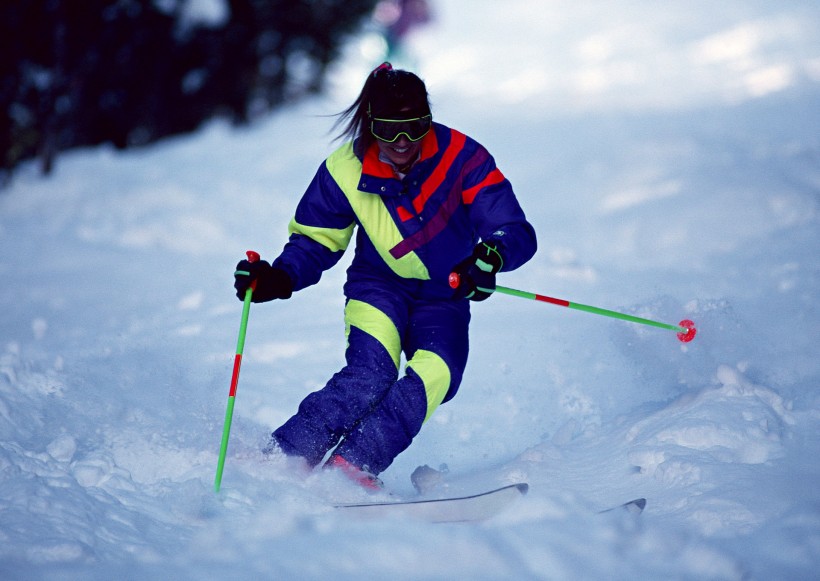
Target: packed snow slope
[(669, 158)]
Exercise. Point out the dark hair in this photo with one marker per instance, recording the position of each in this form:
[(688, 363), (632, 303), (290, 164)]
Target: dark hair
[(387, 92)]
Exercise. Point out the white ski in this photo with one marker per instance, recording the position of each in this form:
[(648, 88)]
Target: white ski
[(469, 508)]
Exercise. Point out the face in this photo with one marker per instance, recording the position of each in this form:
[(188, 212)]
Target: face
[(401, 152)]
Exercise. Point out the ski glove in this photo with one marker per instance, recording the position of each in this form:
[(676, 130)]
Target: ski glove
[(271, 283), (476, 274)]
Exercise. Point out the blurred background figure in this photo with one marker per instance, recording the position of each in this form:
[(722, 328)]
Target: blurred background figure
[(398, 18)]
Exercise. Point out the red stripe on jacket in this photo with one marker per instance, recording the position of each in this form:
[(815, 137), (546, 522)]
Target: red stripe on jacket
[(404, 213), (431, 184), (494, 177)]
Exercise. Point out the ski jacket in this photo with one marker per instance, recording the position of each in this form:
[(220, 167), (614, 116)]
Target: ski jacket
[(412, 231)]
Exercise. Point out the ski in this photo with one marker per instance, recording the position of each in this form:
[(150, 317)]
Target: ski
[(468, 508), (633, 506)]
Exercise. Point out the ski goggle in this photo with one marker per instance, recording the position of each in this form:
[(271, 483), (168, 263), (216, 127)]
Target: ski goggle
[(389, 130)]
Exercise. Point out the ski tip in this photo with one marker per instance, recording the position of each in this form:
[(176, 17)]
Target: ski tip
[(635, 506)]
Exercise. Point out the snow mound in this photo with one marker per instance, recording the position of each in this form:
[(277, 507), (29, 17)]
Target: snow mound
[(696, 426)]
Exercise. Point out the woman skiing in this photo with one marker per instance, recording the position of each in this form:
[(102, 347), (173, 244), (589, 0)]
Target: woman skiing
[(424, 200)]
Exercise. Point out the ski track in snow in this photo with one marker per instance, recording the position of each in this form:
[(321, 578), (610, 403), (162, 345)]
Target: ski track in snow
[(696, 201)]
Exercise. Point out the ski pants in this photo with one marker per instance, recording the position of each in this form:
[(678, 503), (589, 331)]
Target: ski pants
[(366, 411)]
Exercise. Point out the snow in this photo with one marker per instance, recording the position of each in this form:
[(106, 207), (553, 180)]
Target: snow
[(669, 157)]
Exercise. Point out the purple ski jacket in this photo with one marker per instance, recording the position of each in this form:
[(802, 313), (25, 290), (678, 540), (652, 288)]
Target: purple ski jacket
[(413, 230)]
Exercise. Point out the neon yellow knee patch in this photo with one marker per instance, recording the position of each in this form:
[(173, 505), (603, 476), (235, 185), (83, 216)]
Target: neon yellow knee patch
[(376, 324), (435, 374)]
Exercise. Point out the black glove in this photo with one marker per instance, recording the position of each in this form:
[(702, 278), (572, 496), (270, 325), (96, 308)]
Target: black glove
[(475, 278), (271, 283)]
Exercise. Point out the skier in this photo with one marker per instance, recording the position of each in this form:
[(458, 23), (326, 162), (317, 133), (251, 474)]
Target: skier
[(427, 201)]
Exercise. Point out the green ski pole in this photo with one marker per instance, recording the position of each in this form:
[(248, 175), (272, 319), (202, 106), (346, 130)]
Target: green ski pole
[(685, 329), (237, 362)]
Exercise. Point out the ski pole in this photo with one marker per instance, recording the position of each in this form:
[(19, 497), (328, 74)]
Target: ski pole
[(237, 362), (685, 329)]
